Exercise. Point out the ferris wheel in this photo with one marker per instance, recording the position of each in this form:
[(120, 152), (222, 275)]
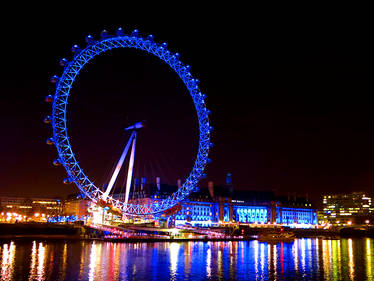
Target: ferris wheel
[(58, 120)]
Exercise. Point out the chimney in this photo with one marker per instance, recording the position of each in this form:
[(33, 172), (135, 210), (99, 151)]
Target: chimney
[(211, 188), (228, 179), (158, 183), (229, 183), (136, 184), (142, 185), (179, 183)]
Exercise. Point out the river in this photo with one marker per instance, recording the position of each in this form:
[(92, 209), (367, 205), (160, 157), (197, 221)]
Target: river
[(303, 259)]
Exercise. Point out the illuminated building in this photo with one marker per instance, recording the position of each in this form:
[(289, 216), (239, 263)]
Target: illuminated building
[(211, 206), (217, 205), (75, 205), (351, 208), (28, 209)]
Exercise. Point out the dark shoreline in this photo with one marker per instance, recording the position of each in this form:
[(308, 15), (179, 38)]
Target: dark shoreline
[(120, 240), (56, 238), (58, 232)]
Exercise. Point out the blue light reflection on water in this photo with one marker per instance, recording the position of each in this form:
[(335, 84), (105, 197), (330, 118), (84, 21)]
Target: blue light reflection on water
[(303, 259)]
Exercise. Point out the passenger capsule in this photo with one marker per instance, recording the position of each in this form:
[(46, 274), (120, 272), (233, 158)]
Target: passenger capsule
[(67, 180), (177, 55), (89, 39), (211, 128), (164, 45), (63, 62), (75, 49), (120, 32), (135, 33), (188, 67), (208, 112), (48, 98), (50, 141), (104, 34), (208, 161), (203, 176), (150, 37), (54, 79), (47, 119), (211, 145), (57, 162)]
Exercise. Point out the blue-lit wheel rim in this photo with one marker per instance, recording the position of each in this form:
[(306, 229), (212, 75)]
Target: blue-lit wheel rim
[(59, 120)]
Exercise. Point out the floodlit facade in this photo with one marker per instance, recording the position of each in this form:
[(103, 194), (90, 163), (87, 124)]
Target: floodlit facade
[(296, 217), (214, 214)]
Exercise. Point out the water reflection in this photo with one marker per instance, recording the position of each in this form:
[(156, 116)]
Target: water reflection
[(351, 262), (7, 261), (296, 255), (262, 260), (34, 257), (93, 259), (174, 251), (208, 263), (369, 262), (41, 260), (303, 259)]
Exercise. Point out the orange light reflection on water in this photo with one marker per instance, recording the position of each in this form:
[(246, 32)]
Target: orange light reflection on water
[(369, 260), (41, 260), (34, 255), (351, 261), (91, 274), (7, 262)]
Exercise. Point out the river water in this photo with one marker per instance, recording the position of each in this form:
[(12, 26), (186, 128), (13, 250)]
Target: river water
[(303, 259)]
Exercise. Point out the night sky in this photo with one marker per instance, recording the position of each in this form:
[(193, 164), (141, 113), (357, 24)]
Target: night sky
[(291, 104)]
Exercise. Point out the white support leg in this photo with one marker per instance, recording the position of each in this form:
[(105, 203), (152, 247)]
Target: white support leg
[(119, 166), (131, 166)]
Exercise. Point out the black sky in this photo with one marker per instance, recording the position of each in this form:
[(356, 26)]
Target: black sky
[(291, 101)]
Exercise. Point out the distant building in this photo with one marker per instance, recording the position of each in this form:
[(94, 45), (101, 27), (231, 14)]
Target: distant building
[(75, 205), (28, 208), (349, 208)]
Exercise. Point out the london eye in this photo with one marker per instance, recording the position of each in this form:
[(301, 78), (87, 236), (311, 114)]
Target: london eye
[(60, 138)]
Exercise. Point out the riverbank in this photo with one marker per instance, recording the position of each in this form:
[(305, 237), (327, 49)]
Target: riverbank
[(46, 231), (116, 240)]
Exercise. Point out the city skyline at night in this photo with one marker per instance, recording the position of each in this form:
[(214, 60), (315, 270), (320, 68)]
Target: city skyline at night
[(222, 145), (291, 110)]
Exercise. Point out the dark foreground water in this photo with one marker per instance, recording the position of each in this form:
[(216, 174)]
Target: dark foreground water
[(304, 259)]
